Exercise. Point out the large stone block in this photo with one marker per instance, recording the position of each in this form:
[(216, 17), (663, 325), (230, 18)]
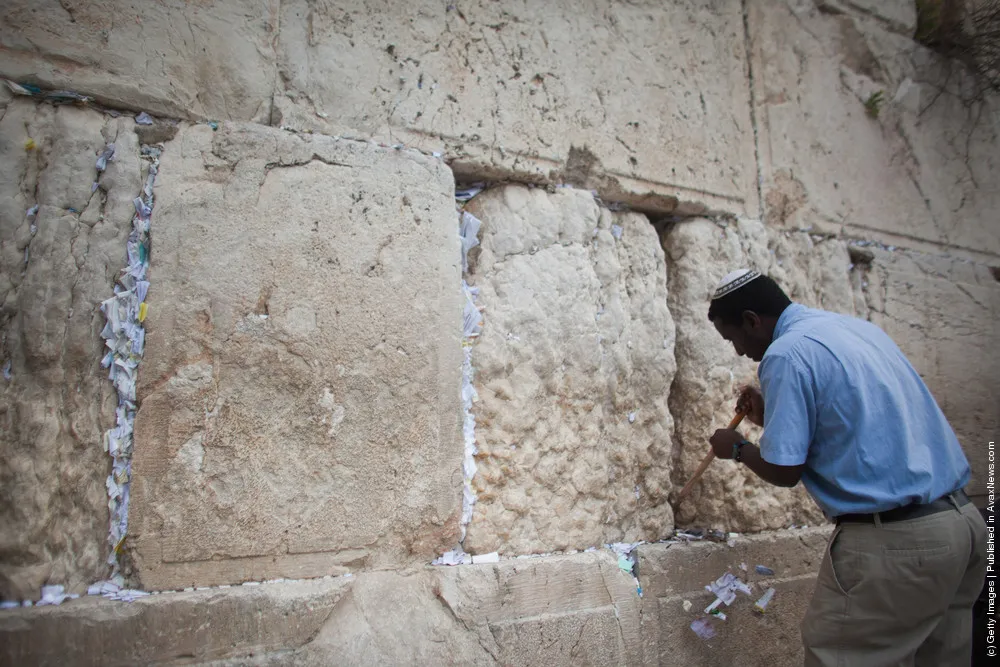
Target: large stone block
[(185, 628), (56, 266), (709, 374), (209, 59), (646, 101), (566, 610), (945, 316), (675, 576), (921, 170), (300, 394), (573, 370)]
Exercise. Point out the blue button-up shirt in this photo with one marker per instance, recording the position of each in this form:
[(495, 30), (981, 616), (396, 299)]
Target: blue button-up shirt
[(841, 398)]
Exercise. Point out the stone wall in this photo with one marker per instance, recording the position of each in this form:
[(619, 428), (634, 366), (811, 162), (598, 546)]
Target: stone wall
[(922, 173), (578, 609), (300, 403), (62, 243), (299, 398), (547, 90), (573, 370)]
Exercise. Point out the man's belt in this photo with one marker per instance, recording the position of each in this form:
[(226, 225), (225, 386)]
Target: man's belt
[(910, 511)]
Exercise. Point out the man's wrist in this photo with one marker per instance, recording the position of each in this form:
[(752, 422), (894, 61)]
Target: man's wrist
[(738, 449)]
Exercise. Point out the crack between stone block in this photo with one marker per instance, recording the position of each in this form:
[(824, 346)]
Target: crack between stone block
[(316, 157), (272, 121), (614, 605), (753, 110), (888, 24)]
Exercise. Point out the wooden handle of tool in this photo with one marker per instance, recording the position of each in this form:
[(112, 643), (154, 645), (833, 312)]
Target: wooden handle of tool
[(707, 461)]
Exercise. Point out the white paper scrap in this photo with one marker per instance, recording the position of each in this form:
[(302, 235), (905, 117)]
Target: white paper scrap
[(453, 557), (486, 558), (468, 192), (55, 595), (469, 231), (762, 603)]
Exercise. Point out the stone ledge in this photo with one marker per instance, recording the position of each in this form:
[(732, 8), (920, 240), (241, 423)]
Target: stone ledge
[(556, 610), (194, 626)]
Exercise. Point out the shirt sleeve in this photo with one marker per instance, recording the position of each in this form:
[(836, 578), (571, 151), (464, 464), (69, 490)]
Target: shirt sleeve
[(789, 411)]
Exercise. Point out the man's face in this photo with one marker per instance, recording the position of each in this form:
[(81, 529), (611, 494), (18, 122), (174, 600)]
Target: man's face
[(749, 338)]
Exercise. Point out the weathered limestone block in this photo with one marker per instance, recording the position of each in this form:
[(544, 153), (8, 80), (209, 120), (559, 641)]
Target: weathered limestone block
[(923, 171), (573, 370), (709, 375), (562, 610), (210, 59), (393, 618), (945, 316), (647, 102), (192, 628), (674, 576), (565, 610), (300, 394), (56, 266)]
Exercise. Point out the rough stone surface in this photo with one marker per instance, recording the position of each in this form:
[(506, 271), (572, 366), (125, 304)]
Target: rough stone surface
[(416, 73), (646, 101), (207, 59), (709, 374), (945, 315), (562, 610), (173, 628), (55, 269), (923, 173), (577, 609), (299, 400), (573, 370), (896, 15), (557, 610), (673, 576), (392, 618)]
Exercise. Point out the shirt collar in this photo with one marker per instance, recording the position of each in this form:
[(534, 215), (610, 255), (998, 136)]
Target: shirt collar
[(787, 317)]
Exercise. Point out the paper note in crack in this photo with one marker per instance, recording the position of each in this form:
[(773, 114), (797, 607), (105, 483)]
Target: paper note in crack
[(469, 231), (106, 155)]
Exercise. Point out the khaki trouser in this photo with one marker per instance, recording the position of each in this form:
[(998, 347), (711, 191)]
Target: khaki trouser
[(898, 593)]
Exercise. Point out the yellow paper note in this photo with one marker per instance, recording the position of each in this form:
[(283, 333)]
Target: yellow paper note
[(142, 311)]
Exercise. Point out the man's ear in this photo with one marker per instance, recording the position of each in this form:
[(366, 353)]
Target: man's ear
[(751, 320)]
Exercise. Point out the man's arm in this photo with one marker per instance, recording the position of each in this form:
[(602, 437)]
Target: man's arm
[(789, 422), (724, 442)]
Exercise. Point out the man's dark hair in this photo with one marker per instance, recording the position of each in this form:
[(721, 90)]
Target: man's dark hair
[(761, 295)]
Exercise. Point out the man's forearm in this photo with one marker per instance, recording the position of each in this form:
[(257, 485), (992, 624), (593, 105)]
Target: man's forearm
[(770, 473)]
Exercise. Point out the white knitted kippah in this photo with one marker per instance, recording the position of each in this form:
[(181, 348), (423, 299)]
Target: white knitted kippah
[(733, 281)]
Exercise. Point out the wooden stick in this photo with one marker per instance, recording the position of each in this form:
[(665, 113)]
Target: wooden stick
[(707, 461)]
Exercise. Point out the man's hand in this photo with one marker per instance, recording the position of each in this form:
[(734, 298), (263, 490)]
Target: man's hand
[(722, 442), (751, 401)]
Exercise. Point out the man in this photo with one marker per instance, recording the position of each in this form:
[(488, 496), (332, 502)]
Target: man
[(845, 412)]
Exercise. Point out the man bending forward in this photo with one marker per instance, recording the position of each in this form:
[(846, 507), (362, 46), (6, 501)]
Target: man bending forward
[(844, 411)]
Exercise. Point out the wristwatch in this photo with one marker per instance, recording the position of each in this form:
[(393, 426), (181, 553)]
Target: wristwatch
[(738, 448)]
